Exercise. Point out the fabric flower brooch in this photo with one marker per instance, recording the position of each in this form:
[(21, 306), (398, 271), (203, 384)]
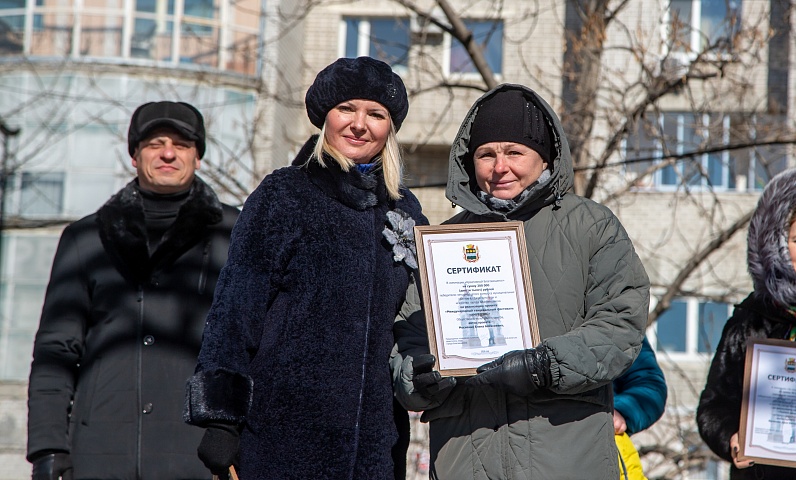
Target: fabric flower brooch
[(400, 232)]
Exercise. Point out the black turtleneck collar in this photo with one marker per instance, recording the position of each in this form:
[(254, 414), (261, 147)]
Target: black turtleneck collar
[(160, 213)]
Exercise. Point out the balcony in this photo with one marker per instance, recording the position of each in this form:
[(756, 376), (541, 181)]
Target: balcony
[(205, 34)]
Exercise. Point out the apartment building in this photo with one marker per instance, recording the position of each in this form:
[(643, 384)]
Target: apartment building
[(71, 74), (686, 103)]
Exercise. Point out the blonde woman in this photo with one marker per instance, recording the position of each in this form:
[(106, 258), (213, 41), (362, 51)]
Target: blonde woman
[(293, 378)]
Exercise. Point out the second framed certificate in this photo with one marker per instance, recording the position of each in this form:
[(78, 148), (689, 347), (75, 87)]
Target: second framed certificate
[(477, 293), (768, 411)]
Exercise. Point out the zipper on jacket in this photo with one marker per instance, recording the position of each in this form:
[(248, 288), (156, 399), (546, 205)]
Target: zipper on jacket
[(624, 467), (138, 380), (558, 193), (364, 356), (503, 435), (205, 266)]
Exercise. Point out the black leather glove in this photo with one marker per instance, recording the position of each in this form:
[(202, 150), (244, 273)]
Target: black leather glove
[(428, 382), (219, 447), (519, 372), (52, 466)]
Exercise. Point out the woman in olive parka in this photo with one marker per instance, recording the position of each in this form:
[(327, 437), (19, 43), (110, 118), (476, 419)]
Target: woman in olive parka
[(545, 412)]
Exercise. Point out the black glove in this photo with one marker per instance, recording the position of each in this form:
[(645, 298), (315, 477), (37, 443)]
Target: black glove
[(52, 466), (219, 447), (430, 383), (519, 372)]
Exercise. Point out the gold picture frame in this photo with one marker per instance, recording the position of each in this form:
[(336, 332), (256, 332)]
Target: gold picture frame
[(477, 293), (767, 432)]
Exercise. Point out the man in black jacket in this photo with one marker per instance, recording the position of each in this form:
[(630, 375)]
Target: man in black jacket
[(123, 316)]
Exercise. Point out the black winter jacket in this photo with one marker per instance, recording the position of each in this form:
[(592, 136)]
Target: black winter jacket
[(299, 336), (119, 335), (765, 313)]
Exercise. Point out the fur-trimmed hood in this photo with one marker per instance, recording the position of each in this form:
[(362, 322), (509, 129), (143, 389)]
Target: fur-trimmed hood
[(123, 229), (768, 257)]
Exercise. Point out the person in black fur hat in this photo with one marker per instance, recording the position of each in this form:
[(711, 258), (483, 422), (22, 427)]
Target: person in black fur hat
[(122, 320), (293, 380), (769, 312)]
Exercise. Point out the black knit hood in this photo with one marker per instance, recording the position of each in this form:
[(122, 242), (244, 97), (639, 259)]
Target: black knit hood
[(768, 257)]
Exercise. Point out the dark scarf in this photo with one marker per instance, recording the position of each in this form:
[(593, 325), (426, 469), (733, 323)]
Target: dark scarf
[(353, 188), (501, 205)]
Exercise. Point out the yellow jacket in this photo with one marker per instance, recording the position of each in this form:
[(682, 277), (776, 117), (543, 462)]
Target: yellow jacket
[(629, 461)]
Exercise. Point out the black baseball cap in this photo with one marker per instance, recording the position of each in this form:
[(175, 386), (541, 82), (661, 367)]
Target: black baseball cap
[(185, 118)]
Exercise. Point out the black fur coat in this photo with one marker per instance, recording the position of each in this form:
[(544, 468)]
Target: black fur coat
[(298, 339), (765, 313)]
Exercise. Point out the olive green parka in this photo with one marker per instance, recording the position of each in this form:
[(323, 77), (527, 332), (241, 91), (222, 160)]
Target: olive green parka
[(592, 298)]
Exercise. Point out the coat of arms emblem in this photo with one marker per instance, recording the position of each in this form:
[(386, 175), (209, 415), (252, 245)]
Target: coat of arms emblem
[(471, 253)]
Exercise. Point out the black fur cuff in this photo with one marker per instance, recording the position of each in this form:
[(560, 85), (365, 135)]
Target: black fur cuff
[(218, 396)]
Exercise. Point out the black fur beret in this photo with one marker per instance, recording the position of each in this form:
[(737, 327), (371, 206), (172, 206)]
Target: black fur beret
[(356, 78)]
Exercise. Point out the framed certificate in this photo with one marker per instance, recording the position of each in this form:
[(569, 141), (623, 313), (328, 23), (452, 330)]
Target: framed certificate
[(767, 432), (477, 293)]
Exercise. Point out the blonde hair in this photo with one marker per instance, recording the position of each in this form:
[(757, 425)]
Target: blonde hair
[(389, 160)]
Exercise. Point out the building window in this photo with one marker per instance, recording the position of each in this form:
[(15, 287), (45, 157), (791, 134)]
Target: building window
[(386, 39), (710, 321), (23, 281), (691, 326), (12, 16), (489, 35), (660, 138), (154, 25), (163, 13), (41, 193), (144, 32), (12, 19), (197, 10), (37, 194), (672, 330), (700, 24)]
